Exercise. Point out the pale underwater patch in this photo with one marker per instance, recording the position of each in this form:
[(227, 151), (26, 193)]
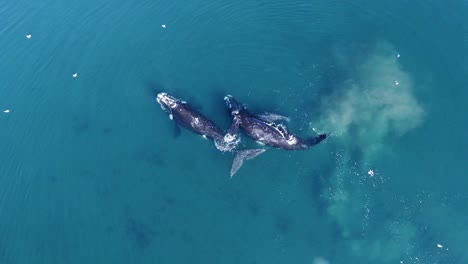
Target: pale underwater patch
[(376, 102)]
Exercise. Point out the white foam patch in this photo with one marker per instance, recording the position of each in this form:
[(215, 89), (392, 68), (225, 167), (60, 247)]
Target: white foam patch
[(228, 143)]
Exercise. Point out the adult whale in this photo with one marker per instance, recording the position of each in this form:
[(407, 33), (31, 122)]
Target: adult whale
[(186, 116), (262, 128)]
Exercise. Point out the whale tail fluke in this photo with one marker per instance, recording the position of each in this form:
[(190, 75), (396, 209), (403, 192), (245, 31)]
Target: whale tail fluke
[(315, 140), (242, 155)]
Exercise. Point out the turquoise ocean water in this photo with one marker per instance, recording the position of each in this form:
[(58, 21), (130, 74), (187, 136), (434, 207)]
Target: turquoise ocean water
[(90, 171)]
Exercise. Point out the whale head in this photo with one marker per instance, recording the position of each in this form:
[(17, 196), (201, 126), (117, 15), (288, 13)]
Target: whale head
[(166, 101), (232, 104)]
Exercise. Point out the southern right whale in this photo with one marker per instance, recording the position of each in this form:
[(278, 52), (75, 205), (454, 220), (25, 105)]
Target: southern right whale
[(183, 114), (262, 128)]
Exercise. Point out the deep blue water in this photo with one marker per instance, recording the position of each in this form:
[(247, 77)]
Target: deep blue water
[(90, 171)]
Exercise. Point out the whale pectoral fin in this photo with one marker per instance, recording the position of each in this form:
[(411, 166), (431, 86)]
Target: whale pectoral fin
[(176, 130), (272, 117), (242, 155)]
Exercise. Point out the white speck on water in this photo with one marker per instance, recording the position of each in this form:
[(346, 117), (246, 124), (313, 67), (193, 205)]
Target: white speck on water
[(75, 75), (439, 246), (6, 111), (371, 173), (163, 25), (28, 36), (397, 83), (398, 55)]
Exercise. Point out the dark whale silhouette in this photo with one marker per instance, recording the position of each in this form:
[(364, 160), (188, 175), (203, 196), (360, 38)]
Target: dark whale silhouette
[(262, 129), (186, 116)]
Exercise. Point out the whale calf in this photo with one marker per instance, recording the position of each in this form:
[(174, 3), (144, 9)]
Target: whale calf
[(186, 116), (262, 128)]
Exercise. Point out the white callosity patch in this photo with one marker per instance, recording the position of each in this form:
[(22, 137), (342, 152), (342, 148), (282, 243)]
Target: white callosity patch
[(166, 100)]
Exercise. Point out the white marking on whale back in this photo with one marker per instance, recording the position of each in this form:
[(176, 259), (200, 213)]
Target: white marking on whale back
[(195, 122)]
